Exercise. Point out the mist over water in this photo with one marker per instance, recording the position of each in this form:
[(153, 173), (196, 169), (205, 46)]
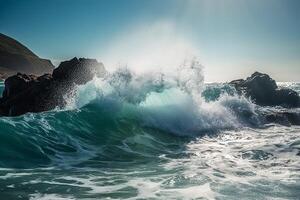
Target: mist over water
[(159, 46)]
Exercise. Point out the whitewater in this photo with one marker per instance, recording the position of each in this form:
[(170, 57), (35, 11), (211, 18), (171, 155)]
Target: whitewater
[(150, 136)]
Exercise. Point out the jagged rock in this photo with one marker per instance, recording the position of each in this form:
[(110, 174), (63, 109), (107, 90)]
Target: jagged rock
[(29, 93), (78, 70), (17, 83), (264, 91)]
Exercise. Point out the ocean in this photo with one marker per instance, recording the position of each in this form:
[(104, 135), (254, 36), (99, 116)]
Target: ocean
[(150, 137)]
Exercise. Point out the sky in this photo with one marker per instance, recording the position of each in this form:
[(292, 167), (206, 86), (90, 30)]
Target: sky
[(230, 38)]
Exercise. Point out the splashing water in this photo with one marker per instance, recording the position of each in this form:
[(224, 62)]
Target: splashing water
[(168, 102), (150, 136)]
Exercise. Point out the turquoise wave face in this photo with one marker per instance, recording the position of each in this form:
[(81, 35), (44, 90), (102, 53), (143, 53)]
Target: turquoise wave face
[(65, 137), (1, 87), (163, 146), (98, 127), (77, 137)]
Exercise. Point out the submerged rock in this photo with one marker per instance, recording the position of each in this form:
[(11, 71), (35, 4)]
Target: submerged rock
[(263, 90), (29, 93)]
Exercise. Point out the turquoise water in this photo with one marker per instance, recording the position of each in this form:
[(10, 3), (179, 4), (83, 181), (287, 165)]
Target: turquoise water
[(149, 141)]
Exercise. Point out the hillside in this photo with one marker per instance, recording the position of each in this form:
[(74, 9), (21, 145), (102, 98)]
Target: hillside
[(15, 57)]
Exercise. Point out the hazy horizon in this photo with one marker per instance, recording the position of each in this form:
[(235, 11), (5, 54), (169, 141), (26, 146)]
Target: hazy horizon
[(231, 39)]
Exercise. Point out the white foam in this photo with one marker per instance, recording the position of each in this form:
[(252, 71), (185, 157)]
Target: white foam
[(171, 102), (39, 196)]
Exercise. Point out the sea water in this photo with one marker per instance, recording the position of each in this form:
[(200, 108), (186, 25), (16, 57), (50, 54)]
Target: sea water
[(129, 136)]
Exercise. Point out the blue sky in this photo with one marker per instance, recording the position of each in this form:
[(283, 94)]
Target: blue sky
[(231, 38)]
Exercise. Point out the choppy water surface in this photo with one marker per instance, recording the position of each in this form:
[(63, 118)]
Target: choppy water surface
[(130, 137)]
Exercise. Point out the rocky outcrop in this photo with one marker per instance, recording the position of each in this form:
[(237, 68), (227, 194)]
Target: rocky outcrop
[(263, 90), (30, 93), (286, 118), (15, 57)]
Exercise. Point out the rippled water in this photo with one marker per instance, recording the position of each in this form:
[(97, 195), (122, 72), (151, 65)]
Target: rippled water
[(161, 145), (244, 164)]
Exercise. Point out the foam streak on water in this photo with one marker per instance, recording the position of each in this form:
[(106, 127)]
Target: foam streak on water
[(247, 164), (150, 136)]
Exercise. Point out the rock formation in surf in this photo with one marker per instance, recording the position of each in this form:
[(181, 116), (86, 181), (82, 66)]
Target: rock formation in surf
[(15, 57), (283, 117), (30, 93), (263, 90)]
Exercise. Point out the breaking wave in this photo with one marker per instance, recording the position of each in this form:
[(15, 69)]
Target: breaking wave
[(151, 135)]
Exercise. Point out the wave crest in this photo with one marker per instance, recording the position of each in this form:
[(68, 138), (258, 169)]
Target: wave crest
[(172, 102)]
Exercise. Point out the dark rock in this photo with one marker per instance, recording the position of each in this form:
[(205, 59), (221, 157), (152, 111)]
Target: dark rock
[(78, 70), (15, 57), (263, 90), (284, 118), (29, 93), (287, 97), (17, 83)]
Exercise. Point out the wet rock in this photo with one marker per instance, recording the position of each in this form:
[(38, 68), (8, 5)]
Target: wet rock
[(286, 118), (78, 70), (287, 97), (29, 93), (263, 90)]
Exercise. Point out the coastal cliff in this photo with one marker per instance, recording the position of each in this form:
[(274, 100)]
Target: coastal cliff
[(15, 57)]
